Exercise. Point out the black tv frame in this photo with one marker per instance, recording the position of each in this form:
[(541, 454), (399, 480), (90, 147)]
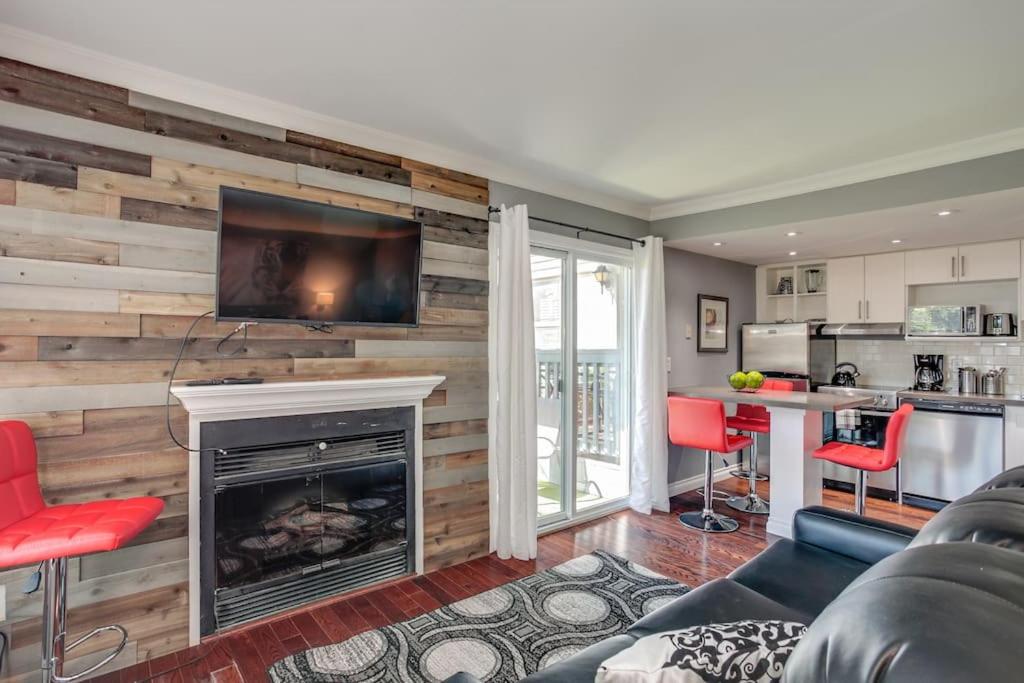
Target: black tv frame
[(307, 323)]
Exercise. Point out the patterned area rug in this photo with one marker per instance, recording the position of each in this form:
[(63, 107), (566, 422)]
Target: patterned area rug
[(501, 635)]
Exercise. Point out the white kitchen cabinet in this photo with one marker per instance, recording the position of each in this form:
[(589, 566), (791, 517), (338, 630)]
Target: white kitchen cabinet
[(989, 261), (932, 266), (885, 293), (845, 290)]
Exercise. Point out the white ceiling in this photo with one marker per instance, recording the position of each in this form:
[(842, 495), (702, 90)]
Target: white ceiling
[(629, 105), (978, 218)]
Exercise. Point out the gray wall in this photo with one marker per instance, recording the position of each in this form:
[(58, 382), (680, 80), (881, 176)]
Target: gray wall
[(687, 275), (547, 206)]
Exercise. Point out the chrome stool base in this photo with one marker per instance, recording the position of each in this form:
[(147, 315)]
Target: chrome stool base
[(751, 503), (745, 474), (712, 523)]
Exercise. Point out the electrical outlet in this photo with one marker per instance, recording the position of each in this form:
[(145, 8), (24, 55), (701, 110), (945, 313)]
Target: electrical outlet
[(668, 363), (689, 331)]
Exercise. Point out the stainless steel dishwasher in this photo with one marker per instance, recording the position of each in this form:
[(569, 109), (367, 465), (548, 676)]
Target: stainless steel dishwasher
[(951, 447)]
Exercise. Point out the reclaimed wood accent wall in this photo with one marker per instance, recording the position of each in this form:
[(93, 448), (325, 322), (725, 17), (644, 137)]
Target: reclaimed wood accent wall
[(108, 218)]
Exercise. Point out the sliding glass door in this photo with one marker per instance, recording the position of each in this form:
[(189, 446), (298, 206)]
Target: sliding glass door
[(581, 324)]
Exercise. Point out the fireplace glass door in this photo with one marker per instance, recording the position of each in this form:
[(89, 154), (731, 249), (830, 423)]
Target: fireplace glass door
[(279, 528)]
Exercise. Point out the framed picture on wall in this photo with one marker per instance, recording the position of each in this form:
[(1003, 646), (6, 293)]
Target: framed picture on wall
[(712, 324)]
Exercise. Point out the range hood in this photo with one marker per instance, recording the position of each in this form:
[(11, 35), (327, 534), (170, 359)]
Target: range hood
[(861, 330)]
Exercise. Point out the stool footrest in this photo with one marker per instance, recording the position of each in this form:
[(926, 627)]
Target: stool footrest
[(103, 662)]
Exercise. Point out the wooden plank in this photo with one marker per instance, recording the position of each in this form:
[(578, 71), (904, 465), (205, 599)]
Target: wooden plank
[(445, 173), (454, 444), (69, 127), (447, 333), (175, 327), (431, 200), (132, 558), (65, 200), (152, 189), (169, 259), (418, 349), (167, 214), (342, 367), (164, 303), (454, 285), (39, 399), (451, 221), (32, 94), (465, 238), (343, 148), (18, 348), (39, 222), (45, 298), (131, 349), (452, 300), (52, 423), (71, 152), (213, 118), (61, 324), (452, 252), (69, 373), (449, 188), (112, 468), (63, 81), (220, 136), (365, 169), (58, 248), (64, 274), (438, 414), (453, 316), (162, 486), (117, 431), (7, 192), (452, 269), (447, 429), (207, 177), (355, 184), (17, 167)]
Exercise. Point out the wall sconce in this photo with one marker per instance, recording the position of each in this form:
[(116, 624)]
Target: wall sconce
[(323, 300), (602, 275)]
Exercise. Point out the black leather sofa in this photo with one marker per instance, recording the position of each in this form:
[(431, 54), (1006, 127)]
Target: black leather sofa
[(884, 603)]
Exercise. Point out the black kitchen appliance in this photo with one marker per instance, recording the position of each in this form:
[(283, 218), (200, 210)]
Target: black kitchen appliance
[(928, 375), (845, 376)]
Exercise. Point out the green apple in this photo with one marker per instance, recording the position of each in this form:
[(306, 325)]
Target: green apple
[(738, 380), (754, 379)]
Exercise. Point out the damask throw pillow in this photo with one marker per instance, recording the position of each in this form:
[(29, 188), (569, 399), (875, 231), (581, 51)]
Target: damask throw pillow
[(738, 652)]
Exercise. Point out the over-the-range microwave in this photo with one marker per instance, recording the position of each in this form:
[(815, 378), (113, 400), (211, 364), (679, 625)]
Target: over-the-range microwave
[(944, 321)]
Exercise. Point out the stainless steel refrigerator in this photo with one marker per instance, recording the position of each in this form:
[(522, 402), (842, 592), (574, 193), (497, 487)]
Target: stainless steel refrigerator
[(789, 350)]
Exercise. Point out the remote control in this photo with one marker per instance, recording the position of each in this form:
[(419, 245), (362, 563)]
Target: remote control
[(242, 380), (203, 382)]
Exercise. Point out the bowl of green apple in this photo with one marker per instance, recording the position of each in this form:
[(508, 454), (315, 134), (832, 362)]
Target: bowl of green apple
[(749, 381)]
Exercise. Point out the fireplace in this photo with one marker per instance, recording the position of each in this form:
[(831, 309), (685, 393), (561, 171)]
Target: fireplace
[(297, 508)]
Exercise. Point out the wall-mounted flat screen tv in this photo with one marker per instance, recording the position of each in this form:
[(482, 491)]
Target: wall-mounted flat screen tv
[(294, 261)]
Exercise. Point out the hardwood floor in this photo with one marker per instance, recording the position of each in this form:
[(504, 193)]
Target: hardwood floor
[(658, 542)]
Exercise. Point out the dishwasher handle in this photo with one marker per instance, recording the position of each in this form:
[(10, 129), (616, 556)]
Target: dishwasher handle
[(938, 405)]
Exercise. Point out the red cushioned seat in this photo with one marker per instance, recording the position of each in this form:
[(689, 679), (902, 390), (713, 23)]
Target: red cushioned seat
[(748, 424), (851, 455), (735, 442), (31, 531)]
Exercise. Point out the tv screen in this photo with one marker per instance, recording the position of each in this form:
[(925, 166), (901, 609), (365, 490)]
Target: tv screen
[(290, 260)]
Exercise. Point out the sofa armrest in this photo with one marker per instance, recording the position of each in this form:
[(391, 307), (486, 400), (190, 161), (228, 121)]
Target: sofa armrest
[(462, 677), (845, 533)]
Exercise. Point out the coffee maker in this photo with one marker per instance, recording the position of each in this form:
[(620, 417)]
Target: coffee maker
[(928, 372)]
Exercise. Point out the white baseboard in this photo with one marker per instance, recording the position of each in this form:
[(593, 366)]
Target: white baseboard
[(695, 482)]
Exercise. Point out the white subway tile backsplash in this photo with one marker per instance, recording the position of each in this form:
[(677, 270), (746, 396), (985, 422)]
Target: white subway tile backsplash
[(891, 362)]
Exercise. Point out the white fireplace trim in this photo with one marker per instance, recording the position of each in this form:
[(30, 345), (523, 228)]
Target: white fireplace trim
[(273, 399)]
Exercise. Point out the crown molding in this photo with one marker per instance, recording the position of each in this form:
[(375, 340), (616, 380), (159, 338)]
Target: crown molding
[(48, 52), (975, 148)]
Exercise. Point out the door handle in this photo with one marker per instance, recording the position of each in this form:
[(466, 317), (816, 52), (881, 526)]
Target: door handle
[(867, 310), (963, 260), (952, 267), (858, 309)]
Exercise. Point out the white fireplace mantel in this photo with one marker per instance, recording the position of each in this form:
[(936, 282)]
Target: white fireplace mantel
[(272, 399)]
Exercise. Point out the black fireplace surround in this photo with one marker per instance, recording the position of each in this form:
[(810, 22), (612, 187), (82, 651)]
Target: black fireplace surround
[(298, 508)]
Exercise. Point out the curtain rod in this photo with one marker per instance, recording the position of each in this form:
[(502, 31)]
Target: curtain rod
[(577, 228)]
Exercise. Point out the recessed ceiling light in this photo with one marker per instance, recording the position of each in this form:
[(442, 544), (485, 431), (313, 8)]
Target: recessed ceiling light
[(792, 234), (792, 253), (717, 244), (897, 241), (944, 212)]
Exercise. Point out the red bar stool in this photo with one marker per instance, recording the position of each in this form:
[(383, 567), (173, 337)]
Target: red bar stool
[(754, 420), (864, 459), (32, 531), (700, 423)]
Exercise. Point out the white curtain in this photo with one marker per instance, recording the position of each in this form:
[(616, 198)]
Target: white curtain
[(512, 364), (649, 481)]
